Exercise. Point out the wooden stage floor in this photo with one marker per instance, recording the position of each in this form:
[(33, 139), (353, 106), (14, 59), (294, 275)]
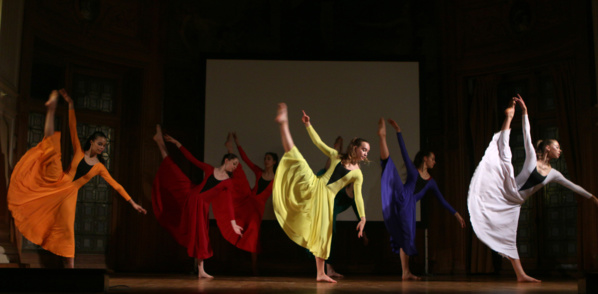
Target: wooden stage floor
[(123, 283)]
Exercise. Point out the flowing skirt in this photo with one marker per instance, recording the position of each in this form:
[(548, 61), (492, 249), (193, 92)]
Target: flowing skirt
[(43, 200), (303, 204), (494, 202)]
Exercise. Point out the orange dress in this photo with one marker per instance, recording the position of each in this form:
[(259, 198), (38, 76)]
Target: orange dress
[(43, 198)]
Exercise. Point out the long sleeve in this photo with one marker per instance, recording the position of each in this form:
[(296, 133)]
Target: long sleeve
[(354, 206), (357, 194), (560, 179), (73, 131), (530, 151), (256, 169), (404, 153), (315, 138), (106, 175), (204, 166), (440, 198)]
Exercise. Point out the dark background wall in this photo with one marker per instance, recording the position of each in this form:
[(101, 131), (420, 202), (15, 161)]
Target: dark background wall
[(474, 56)]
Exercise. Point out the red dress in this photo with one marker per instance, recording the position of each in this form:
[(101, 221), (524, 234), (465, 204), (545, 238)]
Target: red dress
[(183, 209), (249, 204)]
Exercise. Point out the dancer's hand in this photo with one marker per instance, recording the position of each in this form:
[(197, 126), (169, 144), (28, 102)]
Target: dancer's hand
[(338, 143), (394, 124), (305, 119), (238, 229), (229, 142), (66, 97), (460, 219), (235, 138), (170, 139), (137, 207), (521, 104), (595, 200), (382, 128), (360, 227)]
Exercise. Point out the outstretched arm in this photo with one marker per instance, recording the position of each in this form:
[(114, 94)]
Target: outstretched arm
[(72, 121), (203, 166), (315, 138), (256, 169), (106, 175), (530, 151), (404, 153), (445, 204)]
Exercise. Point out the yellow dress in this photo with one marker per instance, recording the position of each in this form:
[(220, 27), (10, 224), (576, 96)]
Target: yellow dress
[(304, 203), (43, 198)]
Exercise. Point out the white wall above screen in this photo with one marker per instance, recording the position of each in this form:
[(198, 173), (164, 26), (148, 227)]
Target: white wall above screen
[(343, 98)]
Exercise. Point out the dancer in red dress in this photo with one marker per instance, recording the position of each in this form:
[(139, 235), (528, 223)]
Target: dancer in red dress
[(249, 203), (183, 207)]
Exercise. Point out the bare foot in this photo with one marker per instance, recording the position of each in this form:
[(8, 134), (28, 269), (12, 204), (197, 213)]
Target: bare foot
[(410, 277), (204, 275), (325, 278), (510, 111), (394, 125), (332, 273), (381, 127), (229, 143), (527, 279), (52, 100), (281, 114)]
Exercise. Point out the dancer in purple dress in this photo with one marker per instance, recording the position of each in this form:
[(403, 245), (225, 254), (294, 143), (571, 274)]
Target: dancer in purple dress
[(399, 199)]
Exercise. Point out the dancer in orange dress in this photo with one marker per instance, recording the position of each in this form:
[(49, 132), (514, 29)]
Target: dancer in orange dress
[(43, 198), (183, 208)]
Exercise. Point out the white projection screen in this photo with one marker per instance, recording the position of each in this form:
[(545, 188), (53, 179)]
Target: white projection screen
[(343, 98)]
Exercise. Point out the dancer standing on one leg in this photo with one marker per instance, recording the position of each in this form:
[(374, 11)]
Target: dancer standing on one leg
[(303, 202), (342, 201), (398, 199), (43, 198), (496, 195), (249, 203), (183, 207)]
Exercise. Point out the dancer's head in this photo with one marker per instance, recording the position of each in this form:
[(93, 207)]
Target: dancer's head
[(271, 160), (548, 148), (424, 158), (96, 143), (357, 151), (230, 163)]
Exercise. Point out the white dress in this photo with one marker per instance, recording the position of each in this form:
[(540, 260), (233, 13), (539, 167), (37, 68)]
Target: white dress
[(494, 199)]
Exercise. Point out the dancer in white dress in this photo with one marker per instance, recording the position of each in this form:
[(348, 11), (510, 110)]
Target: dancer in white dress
[(496, 195)]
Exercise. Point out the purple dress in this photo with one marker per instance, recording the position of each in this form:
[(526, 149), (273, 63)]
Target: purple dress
[(398, 201)]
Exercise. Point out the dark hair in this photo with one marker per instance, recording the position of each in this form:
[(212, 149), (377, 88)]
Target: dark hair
[(419, 157), (350, 154), (228, 156), (541, 146), (275, 157), (93, 137)]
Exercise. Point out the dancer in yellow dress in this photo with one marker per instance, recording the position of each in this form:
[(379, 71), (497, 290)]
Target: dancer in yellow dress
[(303, 202)]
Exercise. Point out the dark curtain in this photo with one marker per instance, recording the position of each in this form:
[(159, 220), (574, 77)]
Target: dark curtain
[(483, 125), (569, 111)]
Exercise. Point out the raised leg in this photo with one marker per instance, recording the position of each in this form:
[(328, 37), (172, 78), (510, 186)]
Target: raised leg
[(322, 277), (522, 277), (384, 153), (160, 141), (407, 275), (50, 113), (282, 119)]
